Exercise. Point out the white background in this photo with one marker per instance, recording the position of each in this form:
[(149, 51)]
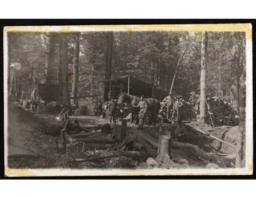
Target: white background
[(127, 9)]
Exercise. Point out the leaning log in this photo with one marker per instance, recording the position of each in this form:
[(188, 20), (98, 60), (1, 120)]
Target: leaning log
[(220, 140), (97, 140), (151, 141)]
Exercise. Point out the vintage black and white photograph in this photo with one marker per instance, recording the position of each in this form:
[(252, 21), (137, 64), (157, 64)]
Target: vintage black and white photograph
[(128, 100)]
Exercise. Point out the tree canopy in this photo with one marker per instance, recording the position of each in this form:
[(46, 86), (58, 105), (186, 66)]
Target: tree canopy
[(151, 56)]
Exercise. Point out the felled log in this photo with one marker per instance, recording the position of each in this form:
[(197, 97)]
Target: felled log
[(88, 126), (93, 158), (127, 140), (87, 147), (139, 147), (150, 140), (98, 140), (84, 134), (179, 145), (200, 153), (94, 135), (135, 154)]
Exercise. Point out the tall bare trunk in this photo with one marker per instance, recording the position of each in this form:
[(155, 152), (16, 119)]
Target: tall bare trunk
[(64, 61), (51, 58), (75, 70), (219, 92), (177, 66), (108, 63), (202, 79), (241, 135), (9, 62)]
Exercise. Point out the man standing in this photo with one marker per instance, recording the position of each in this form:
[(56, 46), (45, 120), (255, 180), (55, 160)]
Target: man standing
[(143, 108), (170, 102), (176, 107)]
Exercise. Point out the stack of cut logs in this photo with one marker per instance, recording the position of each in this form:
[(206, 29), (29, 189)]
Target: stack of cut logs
[(118, 141)]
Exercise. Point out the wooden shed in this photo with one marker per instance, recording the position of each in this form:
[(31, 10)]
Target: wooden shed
[(134, 86)]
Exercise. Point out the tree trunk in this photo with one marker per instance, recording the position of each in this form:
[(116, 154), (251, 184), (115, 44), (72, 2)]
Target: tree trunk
[(240, 148), (219, 79), (202, 79), (60, 68), (9, 62), (176, 69), (12, 71), (51, 58), (64, 61), (108, 63), (75, 70)]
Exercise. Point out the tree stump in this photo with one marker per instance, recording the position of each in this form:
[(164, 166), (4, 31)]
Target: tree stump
[(164, 152)]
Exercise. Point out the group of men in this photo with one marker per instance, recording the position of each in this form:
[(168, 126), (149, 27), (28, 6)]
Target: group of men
[(173, 103)]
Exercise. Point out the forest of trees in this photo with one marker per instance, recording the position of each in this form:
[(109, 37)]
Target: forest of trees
[(154, 57), (206, 62)]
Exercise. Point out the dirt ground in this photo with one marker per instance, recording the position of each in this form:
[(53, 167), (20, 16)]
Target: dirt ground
[(26, 133)]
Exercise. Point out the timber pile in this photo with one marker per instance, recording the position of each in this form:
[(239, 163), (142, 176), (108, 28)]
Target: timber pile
[(220, 139), (222, 113), (137, 149), (121, 147)]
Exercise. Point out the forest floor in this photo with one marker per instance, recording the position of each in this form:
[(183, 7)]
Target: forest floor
[(40, 150)]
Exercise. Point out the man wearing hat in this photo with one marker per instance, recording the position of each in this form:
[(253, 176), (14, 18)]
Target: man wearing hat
[(143, 108), (192, 98), (170, 102)]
